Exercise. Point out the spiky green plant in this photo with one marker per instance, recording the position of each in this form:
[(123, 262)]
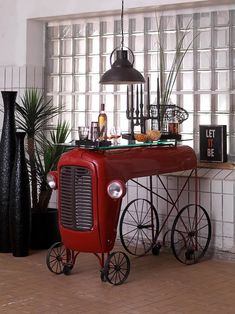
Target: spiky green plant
[(32, 115), (47, 158)]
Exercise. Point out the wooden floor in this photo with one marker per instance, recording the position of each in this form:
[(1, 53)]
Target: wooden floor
[(156, 284)]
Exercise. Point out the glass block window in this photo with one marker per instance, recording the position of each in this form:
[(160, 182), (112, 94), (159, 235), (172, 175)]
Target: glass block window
[(78, 53)]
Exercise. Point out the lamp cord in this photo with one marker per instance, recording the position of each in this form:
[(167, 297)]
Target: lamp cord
[(122, 41)]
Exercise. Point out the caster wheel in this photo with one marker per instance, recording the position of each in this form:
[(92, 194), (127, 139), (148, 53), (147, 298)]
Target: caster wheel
[(67, 269), (102, 276), (156, 249), (189, 254)]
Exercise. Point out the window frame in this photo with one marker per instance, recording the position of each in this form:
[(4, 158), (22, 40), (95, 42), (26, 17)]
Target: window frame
[(78, 52)]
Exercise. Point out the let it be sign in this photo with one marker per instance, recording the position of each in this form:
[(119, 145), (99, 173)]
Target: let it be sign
[(213, 146)]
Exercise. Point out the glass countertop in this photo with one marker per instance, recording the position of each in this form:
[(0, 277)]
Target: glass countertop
[(123, 144)]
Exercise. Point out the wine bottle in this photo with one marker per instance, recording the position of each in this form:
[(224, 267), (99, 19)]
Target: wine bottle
[(102, 123)]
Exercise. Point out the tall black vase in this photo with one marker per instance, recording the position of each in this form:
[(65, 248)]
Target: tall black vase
[(19, 206), (7, 156)]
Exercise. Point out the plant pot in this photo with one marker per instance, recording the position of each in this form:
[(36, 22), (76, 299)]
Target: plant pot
[(45, 229)]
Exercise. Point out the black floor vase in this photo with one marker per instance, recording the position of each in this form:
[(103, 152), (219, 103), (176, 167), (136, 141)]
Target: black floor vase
[(7, 156), (19, 206)]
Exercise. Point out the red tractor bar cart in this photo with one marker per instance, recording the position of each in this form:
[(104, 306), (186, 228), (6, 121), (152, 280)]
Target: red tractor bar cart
[(91, 184)]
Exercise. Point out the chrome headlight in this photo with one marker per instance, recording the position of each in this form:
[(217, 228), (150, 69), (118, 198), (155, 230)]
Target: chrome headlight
[(116, 189), (52, 180)]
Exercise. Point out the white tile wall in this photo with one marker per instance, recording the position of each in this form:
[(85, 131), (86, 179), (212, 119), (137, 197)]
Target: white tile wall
[(162, 203), (23, 76), (18, 79), (228, 208), (192, 186), (142, 193), (9, 77), (205, 201), (172, 198), (217, 243), (222, 174), (231, 176), (204, 185), (228, 244), (172, 183), (192, 197), (217, 226), (202, 172), (2, 77), (228, 229), (216, 204), (184, 199), (182, 182), (144, 181), (13, 77), (228, 187), (216, 186)]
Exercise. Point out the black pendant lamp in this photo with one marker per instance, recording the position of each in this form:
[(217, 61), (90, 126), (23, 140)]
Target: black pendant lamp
[(122, 71)]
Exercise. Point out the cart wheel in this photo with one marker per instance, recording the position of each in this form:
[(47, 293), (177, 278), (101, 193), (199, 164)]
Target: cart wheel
[(191, 234), (116, 268), (57, 257), (138, 230)]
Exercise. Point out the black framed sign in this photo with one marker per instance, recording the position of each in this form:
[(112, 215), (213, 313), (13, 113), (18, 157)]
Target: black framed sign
[(213, 143)]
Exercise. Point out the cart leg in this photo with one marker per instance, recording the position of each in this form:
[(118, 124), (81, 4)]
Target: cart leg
[(101, 261), (156, 247)]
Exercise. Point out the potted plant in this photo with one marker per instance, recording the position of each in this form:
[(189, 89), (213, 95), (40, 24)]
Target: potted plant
[(168, 74), (32, 116)]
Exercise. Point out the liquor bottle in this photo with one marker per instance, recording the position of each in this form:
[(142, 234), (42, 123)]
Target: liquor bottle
[(102, 123), (173, 125)]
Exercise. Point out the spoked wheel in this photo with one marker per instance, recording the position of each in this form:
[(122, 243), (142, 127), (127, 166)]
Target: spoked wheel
[(139, 226), (57, 257), (191, 234), (116, 268)]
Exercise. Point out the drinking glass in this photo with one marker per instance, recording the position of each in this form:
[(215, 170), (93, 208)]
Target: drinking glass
[(115, 134), (94, 131), (83, 132)]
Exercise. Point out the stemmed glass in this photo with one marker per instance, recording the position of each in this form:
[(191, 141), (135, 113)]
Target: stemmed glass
[(115, 134)]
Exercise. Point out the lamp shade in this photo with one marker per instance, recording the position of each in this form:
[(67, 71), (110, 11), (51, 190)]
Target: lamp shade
[(122, 71)]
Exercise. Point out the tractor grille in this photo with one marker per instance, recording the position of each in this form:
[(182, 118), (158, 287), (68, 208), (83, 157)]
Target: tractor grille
[(76, 198)]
